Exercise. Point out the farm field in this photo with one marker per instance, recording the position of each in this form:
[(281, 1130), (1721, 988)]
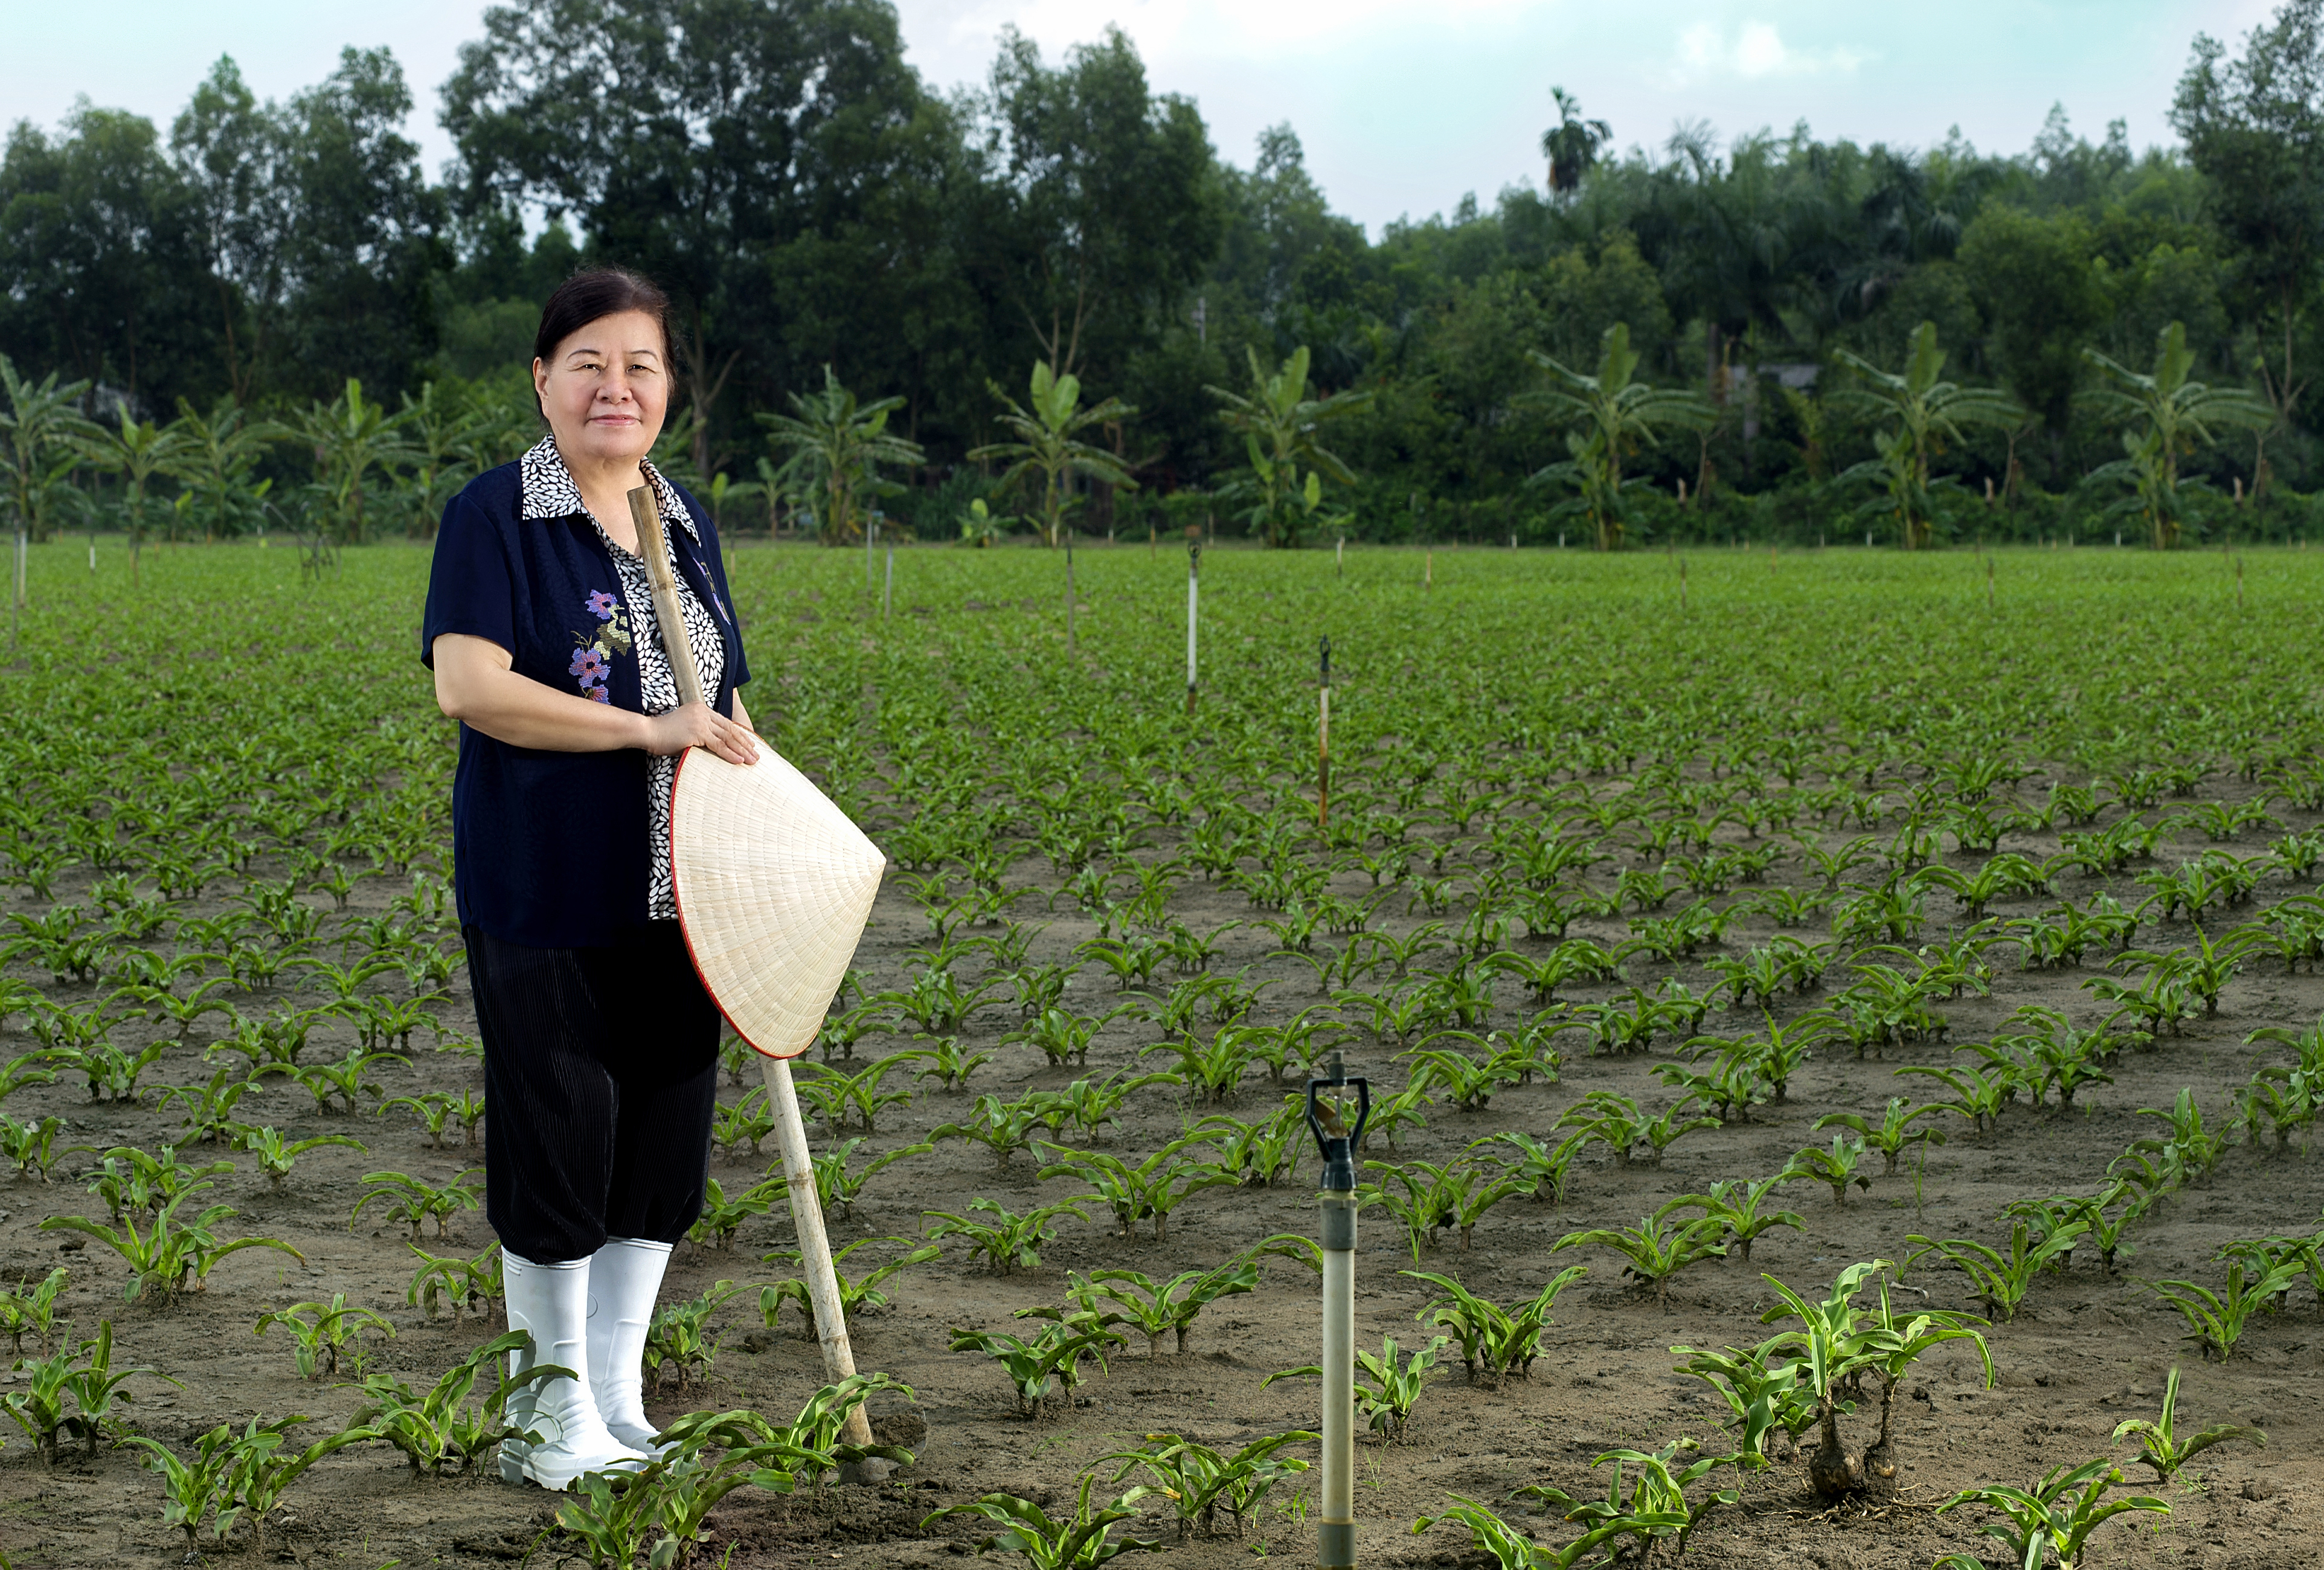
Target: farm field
[(1637, 872)]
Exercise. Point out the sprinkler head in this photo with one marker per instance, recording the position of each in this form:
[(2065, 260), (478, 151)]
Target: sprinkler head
[(1336, 1132)]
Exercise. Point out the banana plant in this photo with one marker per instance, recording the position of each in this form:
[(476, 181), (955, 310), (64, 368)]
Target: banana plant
[(1609, 416), (2178, 415), (1047, 450)]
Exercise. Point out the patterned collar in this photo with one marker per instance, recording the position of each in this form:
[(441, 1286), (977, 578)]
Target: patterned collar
[(550, 491)]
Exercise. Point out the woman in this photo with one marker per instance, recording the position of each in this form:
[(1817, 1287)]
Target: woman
[(601, 1046)]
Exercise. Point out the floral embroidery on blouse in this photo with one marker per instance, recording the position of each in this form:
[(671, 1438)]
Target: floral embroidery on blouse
[(627, 628), (594, 661)]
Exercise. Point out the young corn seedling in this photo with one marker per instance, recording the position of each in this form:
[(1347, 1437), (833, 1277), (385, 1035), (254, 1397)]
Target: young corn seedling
[(2159, 1442), (1257, 1154), (1164, 1309), (129, 1179), (679, 1340), (1735, 1206), (838, 1097), (949, 1063), (936, 1002), (1657, 1250), (435, 1109), (30, 1144), (252, 1473), (857, 1295), (1834, 1166), (1494, 1541), (1080, 1541), (1656, 1506), (171, 1256), (1892, 1134), (836, 1186), (1469, 1083), (1003, 1127), (1977, 1095), (1150, 1191), (1051, 1360), (437, 1430), (1495, 1343), (1202, 1481), (2215, 1321), (1542, 1167), (1431, 1198), (73, 1390), (1764, 1396), (477, 1282), (415, 1201), (1008, 1243), (722, 1218), (1729, 1087), (344, 1079), (319, 1332), (210, 1108), (30, 1310), (1398, 1381), (2001, 1280), (276, 1156), (2057, 1514), (1611, 1120), (749, 1120)]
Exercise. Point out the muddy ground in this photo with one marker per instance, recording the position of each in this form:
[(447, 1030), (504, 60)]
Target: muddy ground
[(2088, 1351)]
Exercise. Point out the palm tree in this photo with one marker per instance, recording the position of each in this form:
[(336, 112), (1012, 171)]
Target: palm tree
[(39, 428), (137, 452), (1607, 416), (1046, 444), (350, 437), (837, 445), (1928, 413), (1278, 423), (1572, 144), (2178, 413)]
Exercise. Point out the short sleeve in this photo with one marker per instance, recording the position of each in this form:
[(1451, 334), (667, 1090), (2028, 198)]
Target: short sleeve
[(469, 585)]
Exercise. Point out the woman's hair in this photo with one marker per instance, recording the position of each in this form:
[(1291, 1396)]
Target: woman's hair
[(598, 292)]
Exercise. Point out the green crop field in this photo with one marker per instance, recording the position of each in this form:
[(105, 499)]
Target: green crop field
[(1932, 934)]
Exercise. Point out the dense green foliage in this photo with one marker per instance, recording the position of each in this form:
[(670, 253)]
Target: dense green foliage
[(811, 204)]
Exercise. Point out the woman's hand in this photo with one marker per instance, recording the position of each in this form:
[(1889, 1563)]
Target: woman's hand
[(699, 725)]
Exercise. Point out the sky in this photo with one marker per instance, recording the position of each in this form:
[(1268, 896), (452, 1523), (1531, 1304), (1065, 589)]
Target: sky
[(1403, 105)]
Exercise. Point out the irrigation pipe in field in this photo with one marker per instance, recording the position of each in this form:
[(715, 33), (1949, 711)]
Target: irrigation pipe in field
[(1336, 1135), (782, 1096), (1193, 575)]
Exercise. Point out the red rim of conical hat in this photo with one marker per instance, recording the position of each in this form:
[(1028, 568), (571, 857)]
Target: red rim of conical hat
[(774, 885)]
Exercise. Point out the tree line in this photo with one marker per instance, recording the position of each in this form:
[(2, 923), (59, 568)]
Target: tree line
[(1048, 301)]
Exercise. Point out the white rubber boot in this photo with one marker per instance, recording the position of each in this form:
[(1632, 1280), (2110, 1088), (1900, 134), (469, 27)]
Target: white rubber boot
[(624, 1279), (552, 1302)]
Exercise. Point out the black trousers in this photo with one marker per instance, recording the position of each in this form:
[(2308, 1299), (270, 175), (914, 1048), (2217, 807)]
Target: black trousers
[(600, 1070)]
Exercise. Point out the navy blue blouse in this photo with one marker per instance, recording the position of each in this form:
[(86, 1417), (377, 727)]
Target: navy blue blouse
[(550, 849)]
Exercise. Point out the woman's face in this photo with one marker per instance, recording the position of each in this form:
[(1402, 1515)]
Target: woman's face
[(606, 389)]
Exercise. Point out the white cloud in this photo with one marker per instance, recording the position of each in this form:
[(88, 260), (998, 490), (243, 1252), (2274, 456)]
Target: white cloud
[(1752, 51)]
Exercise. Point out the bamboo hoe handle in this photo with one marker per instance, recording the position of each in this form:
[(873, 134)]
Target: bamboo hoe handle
[(790, 1127), (654, 547)]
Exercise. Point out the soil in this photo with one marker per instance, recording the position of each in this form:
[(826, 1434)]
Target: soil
[(2087, 1350)]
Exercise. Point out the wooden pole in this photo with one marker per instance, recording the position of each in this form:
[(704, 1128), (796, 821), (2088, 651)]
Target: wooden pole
[(783, 1097), (1069, 592)]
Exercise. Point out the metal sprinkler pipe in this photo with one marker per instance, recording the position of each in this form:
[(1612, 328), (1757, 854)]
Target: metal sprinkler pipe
[(1335, 1141)]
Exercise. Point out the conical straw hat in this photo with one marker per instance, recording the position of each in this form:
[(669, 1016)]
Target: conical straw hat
[(774, 884)]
